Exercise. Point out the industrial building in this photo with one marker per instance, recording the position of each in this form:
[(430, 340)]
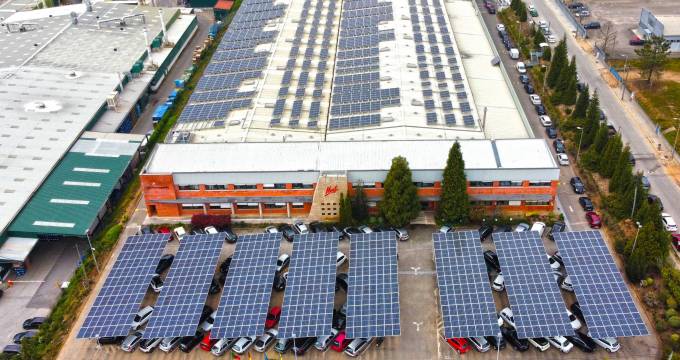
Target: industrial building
[(666, 26)]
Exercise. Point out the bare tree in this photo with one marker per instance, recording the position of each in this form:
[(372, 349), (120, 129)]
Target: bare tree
[(607, 37)]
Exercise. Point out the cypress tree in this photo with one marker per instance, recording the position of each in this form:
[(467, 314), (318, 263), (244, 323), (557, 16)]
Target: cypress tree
[(569, 94), (600, 139), (559, 61), (522, 12), (538, 39), (581, 105), (345, 218), (360, 205), (400, 204), (623, 173), (591, 157), (592, 122), (563, 80), (610, 155), (454, 207), (547, 54)]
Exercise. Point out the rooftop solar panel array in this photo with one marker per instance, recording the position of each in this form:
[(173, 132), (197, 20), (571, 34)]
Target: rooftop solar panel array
[(373, 286), (605, 300), (310, 287), (123, 291), (245, 300), (535, 299), (180, 303), (467, 305)]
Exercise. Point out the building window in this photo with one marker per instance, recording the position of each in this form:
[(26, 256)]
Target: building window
[(188, 187), (539, 183), (247, 206), (371, 204), (245, 187), (216, 187), (502, 202), (507, 183), (424, 184), (298, 205), (364, 185), (220, 206), (274, 205), (192, 206), (481, 203), (274, 186), (481, 183), (536, 202), (302, 186)]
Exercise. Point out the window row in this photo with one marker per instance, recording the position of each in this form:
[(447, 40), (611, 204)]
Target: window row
[(222, 187), (243, 206)]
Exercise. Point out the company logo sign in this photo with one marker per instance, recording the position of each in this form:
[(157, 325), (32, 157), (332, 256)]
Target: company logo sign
[(330, 190)]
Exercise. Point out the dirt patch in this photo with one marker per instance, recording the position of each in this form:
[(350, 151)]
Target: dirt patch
[(609, 78)]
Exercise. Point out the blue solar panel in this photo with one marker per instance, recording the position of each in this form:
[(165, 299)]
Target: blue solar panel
[(310, 287), (180, 303), (605, 300), (535, 299), (431, 118), (245, 300), (450, 119), (123, 291), (373, 286)]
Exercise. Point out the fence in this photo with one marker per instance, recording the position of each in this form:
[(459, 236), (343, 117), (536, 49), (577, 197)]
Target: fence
[(581, 31)]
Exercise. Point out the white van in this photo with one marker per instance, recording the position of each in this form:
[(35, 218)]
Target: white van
[(179, 232), (538, 226), (514, 54)]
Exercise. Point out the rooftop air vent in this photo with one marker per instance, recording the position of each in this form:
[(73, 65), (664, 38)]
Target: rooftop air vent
[(43, 106)]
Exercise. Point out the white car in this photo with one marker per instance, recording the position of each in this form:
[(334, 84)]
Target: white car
[(575, 322), (282, 262), (539, 227), (365, 229), (142, 317), (149, 345), (300, 227), (500, 27), (323, 342), (561, 343), (207, 324), (521, 68), (271, 230), (551, 39), (545, 120), (522, 227), (266, 340), (566, 284), (243, 344), (132, 341), (445, 229), (535, 99), (498, 283), (507, 316), (610, 344), (341, 259), (563, 159), (543, 24), (210, 230), (554, 264), (480, 344), (358, 346), (179, 232), (668, 222), (539, 343), (169, 344), (220, 347)]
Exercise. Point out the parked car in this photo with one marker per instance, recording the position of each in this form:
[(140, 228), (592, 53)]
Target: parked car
[(188, 343), (11, 349), (540, 109), (149, 345), (446, 228), (340, 342), (557, 227), (498, 282), (348, 231), (324, 342), (282, 262), (594, 220), (33, 323), (539, 227), (575, 322), (577, 185), (535, 99), (460, 345), (521, 67), (565, 283), (300, 227), (551, 131), (576, 310), (231, 236), (491, 260), (169, 344), (164, 263), (365, 229), (502, 228), (653, 199), (341, 282), (500, 27), (358, 346), (556, 262), (545, 120), (279, 282), (402, 233), (563, 159), (210, 230), (610, 344), (513, 339), (222, 346), (497, 342), (243, 344), (339, 320), (110, 340), (532, 11), (551, 39), (300, 346), (340, 259), (507, 316), (287, 231), (24, 335), (524, 79), (539, 343), (271, 230), (480, 344), (636, 41), (207, 343), (583, 342), (484, 231), (142, 317), (131, 341), (522, 227), (645, 182), (668, 222), (214, 287), (317, 227), (273, 317), (179, 233), (283, 345), (266, 340), (560, 343), (207, 324), (529, 88), (592, 25), (586, 203)]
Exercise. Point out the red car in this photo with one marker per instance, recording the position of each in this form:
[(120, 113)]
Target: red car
[(273, 317), (164, 230), (207, 343), (675, 240), (340, 342), (459, 344), (593, 220)]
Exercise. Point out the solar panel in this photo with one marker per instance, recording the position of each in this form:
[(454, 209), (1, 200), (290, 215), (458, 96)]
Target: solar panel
[(119, 299), (373, 292), (605, 300), (535, 299), (180, 303), (310, 288), (450, 119), (245, 300), (467, 305)]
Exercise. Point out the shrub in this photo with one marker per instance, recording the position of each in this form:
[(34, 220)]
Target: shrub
[(671, 303), (203, 220), (671, 313), (675, 341), (620, 245), (674, 322), (661, 325)]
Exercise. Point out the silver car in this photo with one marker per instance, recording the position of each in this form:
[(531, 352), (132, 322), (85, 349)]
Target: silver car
[(358, 346), (131, 341), (220, 347), (142, 317), (243, 344), (323, 342), (149, 345), (266, 340), (169, 344)]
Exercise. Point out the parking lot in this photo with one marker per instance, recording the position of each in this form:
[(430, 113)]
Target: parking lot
[(420, 318)]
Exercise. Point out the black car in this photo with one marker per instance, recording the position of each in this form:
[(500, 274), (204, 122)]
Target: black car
[(592, 25), (586, 339), (279, 282), (145, 230), (317, 227), (339, 320), (351, 230), (631, 159), (582, 344), (511, 336), (11, 349), (502, 228), (559, 146), (164, 263), (577, 185), (214, 287), (34, 322), (231, 236), (300, 346), (341, 282), (524, 79), (484, 231), (287, 231), (188, 343), (497, 342), (540, 109), (603, 116), (655, 199), (581, 87), (491, 260), (110, 340), (552, 132), (529, 88), (224, 267), (576, 310), (207, 310), (586, 203), (24, 335), (557, 227)]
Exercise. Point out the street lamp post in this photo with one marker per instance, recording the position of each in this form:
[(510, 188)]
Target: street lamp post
[(636, 236), (625, 68), (580, 138), (94, 257)]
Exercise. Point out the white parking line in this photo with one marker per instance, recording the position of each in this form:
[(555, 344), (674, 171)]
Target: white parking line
[(571, 208)]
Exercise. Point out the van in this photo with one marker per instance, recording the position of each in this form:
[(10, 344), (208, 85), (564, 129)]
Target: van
[(179, 233), (538, 226), (514, 54)]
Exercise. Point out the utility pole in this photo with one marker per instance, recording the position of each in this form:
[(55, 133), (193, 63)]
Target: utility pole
[(625, 68), (580, 138), (636, 236)]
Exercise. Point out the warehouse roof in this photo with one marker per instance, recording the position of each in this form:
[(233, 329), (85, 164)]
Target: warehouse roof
[(345, 155), (72, 197)]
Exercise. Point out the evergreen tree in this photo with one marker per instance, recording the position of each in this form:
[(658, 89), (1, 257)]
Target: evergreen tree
[(622, 178), (649, 213), (568, 95), (547, 54), (653, 57), (514, 5), (360, 205), (454, 207), (590, 158), (592, 122), (345, 218), (610, 155), (581, 105), (559, 61), (651, 251), (522, 12), (400, 204), (538, 39), (566, 75)]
